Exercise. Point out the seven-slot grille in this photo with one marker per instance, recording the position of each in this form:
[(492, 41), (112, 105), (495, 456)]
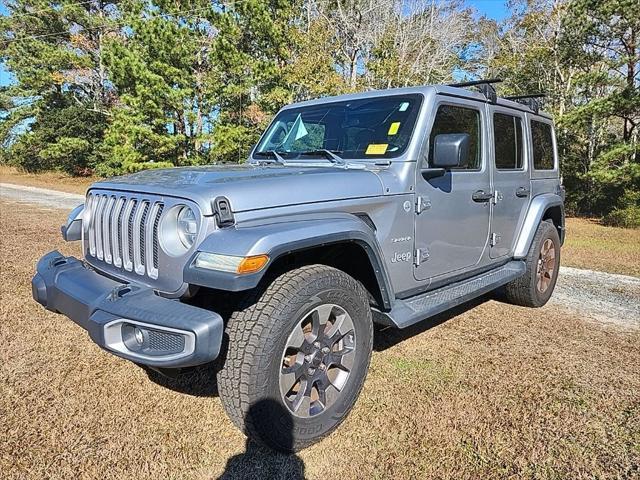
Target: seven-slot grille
[(123, 231)]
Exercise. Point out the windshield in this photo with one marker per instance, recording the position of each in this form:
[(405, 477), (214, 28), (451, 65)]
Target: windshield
[(378, 127)]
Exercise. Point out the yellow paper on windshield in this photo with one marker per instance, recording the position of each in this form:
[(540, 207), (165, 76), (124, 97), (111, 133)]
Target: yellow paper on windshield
[(393, 128), (376, 149)]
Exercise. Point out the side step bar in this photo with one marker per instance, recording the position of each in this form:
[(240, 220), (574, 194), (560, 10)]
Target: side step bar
[(412, 310)]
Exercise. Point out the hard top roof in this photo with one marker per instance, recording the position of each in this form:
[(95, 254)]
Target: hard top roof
[(424, 90)]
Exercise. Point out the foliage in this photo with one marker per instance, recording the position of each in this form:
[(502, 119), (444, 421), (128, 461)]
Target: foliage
[(64, 136), (113, 86), (584, 55)]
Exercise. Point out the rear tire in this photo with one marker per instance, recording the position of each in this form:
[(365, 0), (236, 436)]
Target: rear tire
[(535, 287), (310, 327)]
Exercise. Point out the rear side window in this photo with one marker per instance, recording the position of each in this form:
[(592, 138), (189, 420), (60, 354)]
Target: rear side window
[(542, 139), (507, 134), (454, 119)]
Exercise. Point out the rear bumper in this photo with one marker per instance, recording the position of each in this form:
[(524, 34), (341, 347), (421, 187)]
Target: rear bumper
[(128, 320)]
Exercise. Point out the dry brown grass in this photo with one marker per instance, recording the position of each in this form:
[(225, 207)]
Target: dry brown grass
[(54, 180), (591, 245), (496, 391)]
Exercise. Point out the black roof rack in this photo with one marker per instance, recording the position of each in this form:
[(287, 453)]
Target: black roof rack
[(485, 86), (533, 100)]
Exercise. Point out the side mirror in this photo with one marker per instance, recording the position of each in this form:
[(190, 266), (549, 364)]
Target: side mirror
[(451, 150)]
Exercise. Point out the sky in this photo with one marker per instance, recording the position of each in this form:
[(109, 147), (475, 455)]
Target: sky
[(495, 9)]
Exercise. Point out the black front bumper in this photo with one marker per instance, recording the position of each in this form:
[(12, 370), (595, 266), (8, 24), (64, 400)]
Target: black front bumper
[(171, 334)]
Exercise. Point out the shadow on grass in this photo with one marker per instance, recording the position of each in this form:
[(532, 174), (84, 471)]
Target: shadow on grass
[(257, 461), (196, 381), (387, 337), (260, 462), (201, 381)]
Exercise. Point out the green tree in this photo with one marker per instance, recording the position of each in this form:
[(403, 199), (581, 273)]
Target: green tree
[(55, 50)]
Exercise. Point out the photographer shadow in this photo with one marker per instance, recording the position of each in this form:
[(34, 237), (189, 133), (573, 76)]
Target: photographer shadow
[(260, 462)]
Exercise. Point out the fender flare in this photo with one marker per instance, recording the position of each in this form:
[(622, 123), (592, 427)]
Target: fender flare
[(538, 207), (281, 236)]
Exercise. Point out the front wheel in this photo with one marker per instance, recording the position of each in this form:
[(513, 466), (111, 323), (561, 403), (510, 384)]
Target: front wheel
[(297, 356)]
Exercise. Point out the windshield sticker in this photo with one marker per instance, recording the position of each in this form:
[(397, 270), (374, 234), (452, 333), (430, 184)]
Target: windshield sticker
[(403, 106), (376, 149), (298, 130), (393, 128)]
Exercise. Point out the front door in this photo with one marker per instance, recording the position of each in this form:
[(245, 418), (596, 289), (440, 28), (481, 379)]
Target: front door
[(452, 228), (510, 179)]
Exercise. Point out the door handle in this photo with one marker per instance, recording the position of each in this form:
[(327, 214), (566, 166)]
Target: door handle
[(522, 192), (480, 196)]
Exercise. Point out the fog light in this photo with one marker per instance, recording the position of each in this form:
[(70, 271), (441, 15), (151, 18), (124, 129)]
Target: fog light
[(139, 336)]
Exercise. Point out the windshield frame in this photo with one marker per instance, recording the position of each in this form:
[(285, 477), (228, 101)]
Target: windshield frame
[(415, 96)]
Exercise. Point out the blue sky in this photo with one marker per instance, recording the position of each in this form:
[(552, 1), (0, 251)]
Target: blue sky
[(496, 9)]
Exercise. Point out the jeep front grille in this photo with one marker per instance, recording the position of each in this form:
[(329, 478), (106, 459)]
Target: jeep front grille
[(123, 231)]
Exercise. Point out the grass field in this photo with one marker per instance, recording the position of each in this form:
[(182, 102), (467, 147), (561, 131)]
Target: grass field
[(594, 246), (493, 391)]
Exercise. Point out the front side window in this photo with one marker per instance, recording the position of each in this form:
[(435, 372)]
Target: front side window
[(542, 138), (456, 119), (379, 127), (507, 135)]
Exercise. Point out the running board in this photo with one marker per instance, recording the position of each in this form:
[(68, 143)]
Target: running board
[(414, 309)]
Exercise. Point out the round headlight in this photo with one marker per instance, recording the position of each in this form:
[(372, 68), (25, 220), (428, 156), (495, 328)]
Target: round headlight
[(187, 227), (178, 230)]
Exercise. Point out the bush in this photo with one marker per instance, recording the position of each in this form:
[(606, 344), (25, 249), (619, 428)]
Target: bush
[(628, 217)]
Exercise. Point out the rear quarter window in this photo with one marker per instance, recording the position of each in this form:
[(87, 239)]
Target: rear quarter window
[(542, 140)]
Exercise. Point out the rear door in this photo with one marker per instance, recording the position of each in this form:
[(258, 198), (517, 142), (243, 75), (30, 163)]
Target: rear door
[(511, 179)]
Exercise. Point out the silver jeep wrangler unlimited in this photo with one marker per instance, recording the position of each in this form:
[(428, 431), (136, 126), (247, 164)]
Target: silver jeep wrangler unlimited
[(383, 207)]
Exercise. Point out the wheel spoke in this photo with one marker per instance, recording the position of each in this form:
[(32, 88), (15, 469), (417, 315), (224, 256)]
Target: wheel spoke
[(289, 378), (296, 339), (337, 325), (324, 313), (303, 397)]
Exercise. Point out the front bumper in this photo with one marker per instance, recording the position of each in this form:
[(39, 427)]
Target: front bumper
[(128, 320)]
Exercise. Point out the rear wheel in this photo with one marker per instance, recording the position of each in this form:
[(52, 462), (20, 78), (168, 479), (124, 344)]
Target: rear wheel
[(297, 356), (535, 287)]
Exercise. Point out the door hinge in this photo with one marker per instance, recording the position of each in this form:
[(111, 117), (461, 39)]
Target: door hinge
[(422, 204), (497, 196), (422, 255), (495, 239)]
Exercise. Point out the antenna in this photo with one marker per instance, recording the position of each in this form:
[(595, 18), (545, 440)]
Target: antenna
[(484, 86), (533, 100)]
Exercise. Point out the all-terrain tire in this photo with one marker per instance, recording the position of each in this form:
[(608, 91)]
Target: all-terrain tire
[(525, 290), (256, 339)]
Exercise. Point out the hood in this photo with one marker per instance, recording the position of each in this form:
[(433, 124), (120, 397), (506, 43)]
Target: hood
[(251, 187)]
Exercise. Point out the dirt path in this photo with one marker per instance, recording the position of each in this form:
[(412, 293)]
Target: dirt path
[(40, 196), (600, 296)]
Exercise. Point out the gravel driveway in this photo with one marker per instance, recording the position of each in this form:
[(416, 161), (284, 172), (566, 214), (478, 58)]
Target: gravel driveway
[(606, 297), (600, 296)]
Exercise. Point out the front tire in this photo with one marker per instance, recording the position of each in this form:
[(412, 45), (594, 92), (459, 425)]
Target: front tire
[(298, 352), (535, 287)]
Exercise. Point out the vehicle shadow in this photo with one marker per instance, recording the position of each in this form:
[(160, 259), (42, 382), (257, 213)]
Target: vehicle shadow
[(197, 381), (387, 337), (200, 381), (259, 462)]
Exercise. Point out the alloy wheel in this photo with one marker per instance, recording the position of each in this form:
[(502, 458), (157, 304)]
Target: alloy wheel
[(317, 360), (546, 266)]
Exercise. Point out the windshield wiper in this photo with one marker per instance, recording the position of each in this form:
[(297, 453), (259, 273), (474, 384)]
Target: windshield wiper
[(331, 155), (276, 155)]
